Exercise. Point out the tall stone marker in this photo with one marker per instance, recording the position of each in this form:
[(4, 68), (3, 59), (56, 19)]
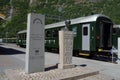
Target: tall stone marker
[(35, 43), (118, 50), (66, 49)]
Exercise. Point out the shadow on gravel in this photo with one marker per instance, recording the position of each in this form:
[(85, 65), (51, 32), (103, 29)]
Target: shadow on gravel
[(51, 67), (9, 51), (56, 66), (83, 65)]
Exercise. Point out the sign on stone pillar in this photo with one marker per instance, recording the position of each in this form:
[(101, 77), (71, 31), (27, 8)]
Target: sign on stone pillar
[(35, 43), (65, 49), (118, 51)]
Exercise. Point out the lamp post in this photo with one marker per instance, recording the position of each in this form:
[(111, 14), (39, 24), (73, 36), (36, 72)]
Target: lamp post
[(11, 10), (9, 18), (59, 10), (6, 34)]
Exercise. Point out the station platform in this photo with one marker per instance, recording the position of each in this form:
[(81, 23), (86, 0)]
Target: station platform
[(110, 70)]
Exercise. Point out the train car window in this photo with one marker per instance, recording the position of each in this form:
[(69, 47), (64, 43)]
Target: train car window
[(25, 36), (20, 36), (118, 31), (47, 33), (85, 31), (55, 33), (74, 29), (114, 31)]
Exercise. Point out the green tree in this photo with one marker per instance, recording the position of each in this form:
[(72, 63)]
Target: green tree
[(60, 9)]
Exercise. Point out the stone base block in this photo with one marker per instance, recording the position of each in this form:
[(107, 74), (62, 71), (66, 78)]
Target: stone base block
[(66, 66)]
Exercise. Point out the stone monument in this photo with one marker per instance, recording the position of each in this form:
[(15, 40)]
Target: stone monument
[(35, 43), (65, 48)]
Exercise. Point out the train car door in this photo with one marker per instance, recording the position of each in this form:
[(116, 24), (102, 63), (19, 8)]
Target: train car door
[(86, 37)]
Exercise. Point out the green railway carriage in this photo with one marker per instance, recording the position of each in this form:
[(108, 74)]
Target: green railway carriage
[(21, 38), (116, 34), (91, 34), (9, 40)]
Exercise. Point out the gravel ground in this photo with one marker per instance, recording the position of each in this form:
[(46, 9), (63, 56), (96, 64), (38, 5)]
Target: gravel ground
[(55, 74), (78, 73), (3, 77)]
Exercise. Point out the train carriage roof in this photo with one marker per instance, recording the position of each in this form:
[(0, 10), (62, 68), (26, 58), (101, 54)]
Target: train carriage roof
[(116, 26), (73, 21), (23, 31), (76, 21)]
